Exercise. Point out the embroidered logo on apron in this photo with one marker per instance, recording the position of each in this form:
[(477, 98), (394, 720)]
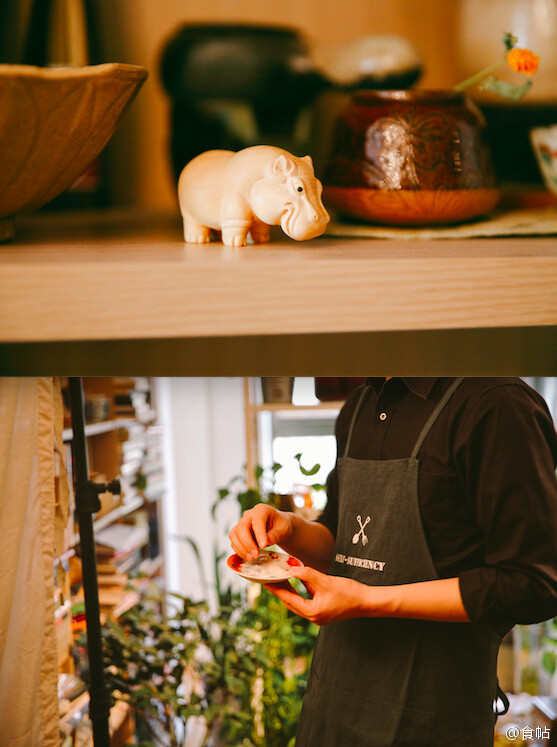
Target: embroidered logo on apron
[(360, 535), (371, 565)]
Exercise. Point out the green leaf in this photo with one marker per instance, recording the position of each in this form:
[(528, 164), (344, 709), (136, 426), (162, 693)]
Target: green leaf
[(549, 662), (505, 89), (223, 493), (510, 41), (117, 629), (249, 499), (307, 472), (140, 481)]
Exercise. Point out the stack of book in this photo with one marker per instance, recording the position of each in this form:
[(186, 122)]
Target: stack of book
[(140, 397), (119, 546), (132, 442), (122, 387), (132, 398), (152, 467), (119, 551)]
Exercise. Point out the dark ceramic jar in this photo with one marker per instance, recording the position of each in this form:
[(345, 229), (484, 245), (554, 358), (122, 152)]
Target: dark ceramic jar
[(411, 158)]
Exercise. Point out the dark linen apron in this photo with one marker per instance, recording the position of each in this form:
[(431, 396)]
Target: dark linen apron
[(384, 681)]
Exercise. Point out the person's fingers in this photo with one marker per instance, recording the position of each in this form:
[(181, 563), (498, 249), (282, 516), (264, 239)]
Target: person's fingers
[(274, 536), (310, 578), (278, 584), (277, 533), (293, 601), (259, 530), (245, 551), (246, 537)]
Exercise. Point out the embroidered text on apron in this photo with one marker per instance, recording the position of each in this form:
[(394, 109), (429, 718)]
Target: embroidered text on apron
[(378, 682)]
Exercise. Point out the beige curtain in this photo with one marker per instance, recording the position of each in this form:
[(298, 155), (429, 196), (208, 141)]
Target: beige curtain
[(32, 515)]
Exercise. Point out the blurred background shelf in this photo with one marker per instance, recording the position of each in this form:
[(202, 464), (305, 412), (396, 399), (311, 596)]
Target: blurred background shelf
[(282, 406), (114, 515), (128, 528), (94, 429)]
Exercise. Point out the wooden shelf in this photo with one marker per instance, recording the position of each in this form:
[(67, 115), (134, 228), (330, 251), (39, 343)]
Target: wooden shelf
[(116, 289), (104, 426), (289, 407), (110, 518)]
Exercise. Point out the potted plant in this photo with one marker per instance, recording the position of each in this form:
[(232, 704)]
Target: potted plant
[(241, 672), (235, 676)]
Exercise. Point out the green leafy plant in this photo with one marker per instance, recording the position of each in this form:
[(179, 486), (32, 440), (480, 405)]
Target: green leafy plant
[(149, 654), (549, 656), (264, 489), (242, 668)]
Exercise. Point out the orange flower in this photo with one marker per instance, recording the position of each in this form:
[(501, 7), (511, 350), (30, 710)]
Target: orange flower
[(523, 61)]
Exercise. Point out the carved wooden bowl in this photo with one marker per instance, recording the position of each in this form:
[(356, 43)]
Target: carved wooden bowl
[(53, 123), (410, 158)]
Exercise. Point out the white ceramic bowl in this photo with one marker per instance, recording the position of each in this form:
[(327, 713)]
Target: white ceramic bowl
[(53, 123), (544, 143)]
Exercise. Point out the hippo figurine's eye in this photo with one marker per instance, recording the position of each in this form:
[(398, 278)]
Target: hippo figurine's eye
[(300, 189)]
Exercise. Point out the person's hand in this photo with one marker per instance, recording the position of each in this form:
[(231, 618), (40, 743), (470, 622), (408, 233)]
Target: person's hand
[(260, 527), (333, 598)]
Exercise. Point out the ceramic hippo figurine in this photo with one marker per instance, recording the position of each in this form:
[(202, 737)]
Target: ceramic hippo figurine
[(237, 193)]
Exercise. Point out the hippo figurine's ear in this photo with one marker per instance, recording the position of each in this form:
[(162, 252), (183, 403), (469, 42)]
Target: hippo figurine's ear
[(283, 167), (308, 160)]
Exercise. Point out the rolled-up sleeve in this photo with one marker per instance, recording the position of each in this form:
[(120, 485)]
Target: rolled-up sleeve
[(505, 452)]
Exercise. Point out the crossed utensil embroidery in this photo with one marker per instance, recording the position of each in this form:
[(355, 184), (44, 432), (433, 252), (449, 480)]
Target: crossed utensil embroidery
[(356, 537)]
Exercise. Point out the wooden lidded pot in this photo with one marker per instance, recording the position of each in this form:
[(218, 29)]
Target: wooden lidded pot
[(410, 158)]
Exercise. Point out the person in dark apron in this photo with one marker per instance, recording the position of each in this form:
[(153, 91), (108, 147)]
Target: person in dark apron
[(385, 674)]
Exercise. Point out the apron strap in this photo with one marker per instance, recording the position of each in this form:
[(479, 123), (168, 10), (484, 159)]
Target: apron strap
[(359, 406), (501, 696), (434, 415)]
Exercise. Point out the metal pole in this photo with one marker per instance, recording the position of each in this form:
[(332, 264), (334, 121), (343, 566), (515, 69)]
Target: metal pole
[(87, 502)]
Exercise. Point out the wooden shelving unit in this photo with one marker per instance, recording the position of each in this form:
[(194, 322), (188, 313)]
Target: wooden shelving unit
[(120, 290), (253, 406), (289, 407), (114, 515), (119, 447), (95, 429)]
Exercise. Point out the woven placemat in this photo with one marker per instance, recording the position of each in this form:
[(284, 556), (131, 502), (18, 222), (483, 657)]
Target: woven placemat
[(531, 221)]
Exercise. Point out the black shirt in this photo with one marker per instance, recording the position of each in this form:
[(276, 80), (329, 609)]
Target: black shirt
[(487, 486)]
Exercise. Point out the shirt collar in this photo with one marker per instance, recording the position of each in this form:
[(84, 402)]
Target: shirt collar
[(420, 385)]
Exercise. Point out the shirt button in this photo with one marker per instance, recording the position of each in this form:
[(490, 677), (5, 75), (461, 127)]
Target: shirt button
[(383, 416)]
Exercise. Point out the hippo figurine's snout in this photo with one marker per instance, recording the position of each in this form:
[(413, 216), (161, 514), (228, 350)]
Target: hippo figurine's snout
[(246, 192)]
